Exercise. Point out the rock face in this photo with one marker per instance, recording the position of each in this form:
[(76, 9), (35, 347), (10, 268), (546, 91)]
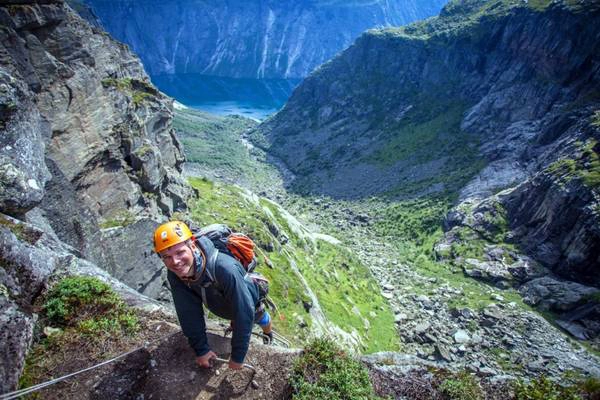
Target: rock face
[(555, 217), (78, 108), (86, 143), (257, 39), (465, 102)]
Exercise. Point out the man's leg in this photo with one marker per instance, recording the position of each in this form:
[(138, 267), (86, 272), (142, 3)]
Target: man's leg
[(264, 321)]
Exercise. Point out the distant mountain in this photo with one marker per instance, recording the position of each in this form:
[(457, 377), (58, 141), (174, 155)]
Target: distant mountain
[(251, 39)]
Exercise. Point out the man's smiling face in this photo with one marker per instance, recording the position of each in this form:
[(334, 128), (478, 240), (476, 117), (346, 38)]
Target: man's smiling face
[(179, 259)]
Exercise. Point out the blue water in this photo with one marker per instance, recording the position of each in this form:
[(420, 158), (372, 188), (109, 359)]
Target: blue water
[(253, 98)]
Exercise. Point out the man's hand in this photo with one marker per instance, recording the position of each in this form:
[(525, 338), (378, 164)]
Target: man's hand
[(234, 365), (204, 361)]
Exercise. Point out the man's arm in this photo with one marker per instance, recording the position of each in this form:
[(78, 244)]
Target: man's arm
[(190, 313), (236, 290)]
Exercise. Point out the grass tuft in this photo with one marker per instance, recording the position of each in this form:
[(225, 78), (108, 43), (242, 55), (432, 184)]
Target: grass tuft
[(324, 371)]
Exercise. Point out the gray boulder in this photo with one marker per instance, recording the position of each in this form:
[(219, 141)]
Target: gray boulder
[(556, 295)]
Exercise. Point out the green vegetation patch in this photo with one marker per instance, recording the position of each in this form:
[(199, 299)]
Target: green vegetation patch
[(468, 18), (90, 305), (416, 219), (461, 386), (20, 230), (83, 321), (543, 388), (350, 297), (429, 136), (215, 142), (138, 90), (324, 371), (414, 227), (345, 289), (585, 167), (120, 219)]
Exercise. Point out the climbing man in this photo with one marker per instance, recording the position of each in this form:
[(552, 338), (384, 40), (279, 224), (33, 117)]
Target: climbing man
[(200, 274)]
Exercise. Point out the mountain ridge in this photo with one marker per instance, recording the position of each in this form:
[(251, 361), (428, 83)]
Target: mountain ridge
[(258, 40)]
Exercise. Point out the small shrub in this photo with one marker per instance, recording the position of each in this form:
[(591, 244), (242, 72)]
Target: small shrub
[(324, 371), (591, 386), (462, 386), (543, 388), (88, 304)]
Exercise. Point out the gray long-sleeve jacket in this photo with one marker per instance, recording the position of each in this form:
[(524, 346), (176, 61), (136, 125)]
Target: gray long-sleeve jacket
[(228, 293)]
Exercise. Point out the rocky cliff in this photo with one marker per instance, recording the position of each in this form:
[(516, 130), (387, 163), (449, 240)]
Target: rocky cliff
[(257, 39), (89, 162), (482, 90)]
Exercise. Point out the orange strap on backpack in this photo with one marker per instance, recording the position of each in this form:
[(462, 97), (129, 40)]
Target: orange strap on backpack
[(242, 248)]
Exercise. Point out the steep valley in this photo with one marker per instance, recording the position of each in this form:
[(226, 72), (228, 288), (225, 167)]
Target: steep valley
[(444, 316), (428, 199), (258, 39)]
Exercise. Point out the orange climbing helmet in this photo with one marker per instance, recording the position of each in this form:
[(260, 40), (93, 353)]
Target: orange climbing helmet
[(170, 234)]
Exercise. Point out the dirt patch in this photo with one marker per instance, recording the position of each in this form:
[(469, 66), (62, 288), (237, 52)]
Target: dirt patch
[(169, 372), (165, 368)]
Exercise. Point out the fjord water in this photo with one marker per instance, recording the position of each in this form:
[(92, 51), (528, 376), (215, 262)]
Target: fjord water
[(253, 98)]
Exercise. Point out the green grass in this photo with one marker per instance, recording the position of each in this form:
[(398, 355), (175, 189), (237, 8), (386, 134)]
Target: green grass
[(417, 136), (325, 371), (215, 142), (428, 133), (345, 289)]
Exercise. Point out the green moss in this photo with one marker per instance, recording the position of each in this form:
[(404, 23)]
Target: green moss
[(121, 218), (139, 91), (20, 230), (143, 150), (120, 84), (139, 97), (324, 371), (596, 119)]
